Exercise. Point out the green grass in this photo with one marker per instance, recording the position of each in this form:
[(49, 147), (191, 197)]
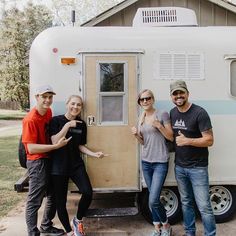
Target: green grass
[(11, 114), (10, 172)]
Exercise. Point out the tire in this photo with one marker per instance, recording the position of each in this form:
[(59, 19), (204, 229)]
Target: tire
[(169, 198), (223, 201)]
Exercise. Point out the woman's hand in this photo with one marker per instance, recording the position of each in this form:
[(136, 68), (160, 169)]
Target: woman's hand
[(72, 123), (134, 130), (99, 154), (138, 136), (157, 124)]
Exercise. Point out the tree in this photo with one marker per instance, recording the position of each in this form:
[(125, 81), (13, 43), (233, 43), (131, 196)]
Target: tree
[(85, 10), (18, 30)]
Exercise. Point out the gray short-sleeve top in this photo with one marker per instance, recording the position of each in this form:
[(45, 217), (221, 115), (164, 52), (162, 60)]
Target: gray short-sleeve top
[(154, 148)]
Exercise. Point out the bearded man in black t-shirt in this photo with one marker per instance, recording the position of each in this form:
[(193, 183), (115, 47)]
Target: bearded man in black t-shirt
[(193, 135)]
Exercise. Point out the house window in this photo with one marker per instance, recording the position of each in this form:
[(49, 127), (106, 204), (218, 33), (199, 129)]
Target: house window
[(112, 93), (233, 78)]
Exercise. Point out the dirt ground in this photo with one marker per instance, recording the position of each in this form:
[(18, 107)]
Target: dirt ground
[(14, 224)]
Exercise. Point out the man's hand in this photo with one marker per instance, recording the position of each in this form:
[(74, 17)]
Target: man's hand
[(181, 140), (62, 142)]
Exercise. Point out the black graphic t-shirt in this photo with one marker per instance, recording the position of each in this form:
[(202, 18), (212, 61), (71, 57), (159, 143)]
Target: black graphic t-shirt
[(191, 124), (66, 159)]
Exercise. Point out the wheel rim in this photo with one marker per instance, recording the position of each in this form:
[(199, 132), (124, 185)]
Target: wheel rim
[(221, 199), (170, 201)]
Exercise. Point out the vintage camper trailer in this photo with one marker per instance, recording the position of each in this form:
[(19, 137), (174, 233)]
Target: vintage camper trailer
[(108, 66)]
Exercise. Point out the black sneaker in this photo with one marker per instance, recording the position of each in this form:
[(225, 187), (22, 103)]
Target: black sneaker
[(52, 231)]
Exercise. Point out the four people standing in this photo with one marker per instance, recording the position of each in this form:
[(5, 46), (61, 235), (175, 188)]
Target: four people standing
[(153, 128), (192, 133)]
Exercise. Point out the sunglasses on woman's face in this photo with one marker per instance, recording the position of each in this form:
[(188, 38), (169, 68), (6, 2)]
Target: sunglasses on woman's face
[(145, 99)]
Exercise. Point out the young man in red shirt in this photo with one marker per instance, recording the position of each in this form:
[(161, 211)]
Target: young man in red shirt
[(36, 141)]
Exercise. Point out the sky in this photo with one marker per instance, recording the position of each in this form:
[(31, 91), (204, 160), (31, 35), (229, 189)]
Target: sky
[(22, 3)]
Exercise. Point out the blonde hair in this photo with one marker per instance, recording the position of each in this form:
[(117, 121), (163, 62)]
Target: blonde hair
[(144, 91), (142, 116), (74, 96)]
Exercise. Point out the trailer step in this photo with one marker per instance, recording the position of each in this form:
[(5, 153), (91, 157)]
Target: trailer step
[(112, 212), (22, 184)]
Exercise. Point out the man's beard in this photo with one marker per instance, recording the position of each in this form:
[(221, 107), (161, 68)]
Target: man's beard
[(180, 105)]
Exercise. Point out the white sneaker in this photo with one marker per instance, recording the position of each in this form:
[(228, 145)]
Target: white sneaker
[(156, 233), (166, 232)]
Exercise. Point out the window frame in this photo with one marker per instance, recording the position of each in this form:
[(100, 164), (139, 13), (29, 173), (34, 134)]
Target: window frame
[(231, 78), (100, 94)]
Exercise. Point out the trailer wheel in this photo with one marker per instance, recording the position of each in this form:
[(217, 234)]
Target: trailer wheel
[(223, 201), (169, 198)]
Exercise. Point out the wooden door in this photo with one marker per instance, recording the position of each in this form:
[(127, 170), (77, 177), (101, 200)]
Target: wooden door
[(111, 110)]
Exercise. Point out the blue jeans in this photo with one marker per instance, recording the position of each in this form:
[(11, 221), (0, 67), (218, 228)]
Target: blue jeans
[(193, 183), (155, 175)]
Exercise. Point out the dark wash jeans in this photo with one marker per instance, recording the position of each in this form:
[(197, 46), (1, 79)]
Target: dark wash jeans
[(155, 175), (39, 187)]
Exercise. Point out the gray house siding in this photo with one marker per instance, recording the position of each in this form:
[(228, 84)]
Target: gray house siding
[(208, 14)]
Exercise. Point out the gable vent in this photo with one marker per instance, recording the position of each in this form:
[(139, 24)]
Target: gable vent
[(164, 16)]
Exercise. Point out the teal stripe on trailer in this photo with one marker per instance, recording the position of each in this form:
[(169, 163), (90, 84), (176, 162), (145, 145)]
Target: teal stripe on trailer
[(216, 107)]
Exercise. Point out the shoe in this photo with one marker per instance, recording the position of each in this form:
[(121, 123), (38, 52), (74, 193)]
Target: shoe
[(166, 232), (52, 231), (70, 234), (156, 233), (78, 227)]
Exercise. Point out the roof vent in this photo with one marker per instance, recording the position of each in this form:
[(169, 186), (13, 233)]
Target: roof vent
[(164, 16)]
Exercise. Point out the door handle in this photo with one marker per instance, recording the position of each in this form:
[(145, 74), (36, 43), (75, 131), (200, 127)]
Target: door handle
[(91, 120)]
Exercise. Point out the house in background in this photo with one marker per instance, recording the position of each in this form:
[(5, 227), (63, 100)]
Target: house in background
[(208, 12)]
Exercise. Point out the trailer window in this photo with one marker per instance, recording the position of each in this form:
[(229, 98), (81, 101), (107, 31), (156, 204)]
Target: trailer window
[(233, 78), (112, 94), (111, 77)]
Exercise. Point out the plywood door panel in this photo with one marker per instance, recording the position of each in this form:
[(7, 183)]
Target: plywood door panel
[(120, 170)]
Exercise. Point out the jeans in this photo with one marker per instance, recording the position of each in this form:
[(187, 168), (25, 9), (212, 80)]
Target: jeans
[(155, 175), (38, 171), (193, 183)]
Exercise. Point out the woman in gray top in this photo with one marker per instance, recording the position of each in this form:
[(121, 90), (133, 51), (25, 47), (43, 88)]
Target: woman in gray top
[(153, 129)]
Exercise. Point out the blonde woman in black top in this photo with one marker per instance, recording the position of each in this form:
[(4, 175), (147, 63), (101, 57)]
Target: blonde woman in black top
[(68, 164)]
